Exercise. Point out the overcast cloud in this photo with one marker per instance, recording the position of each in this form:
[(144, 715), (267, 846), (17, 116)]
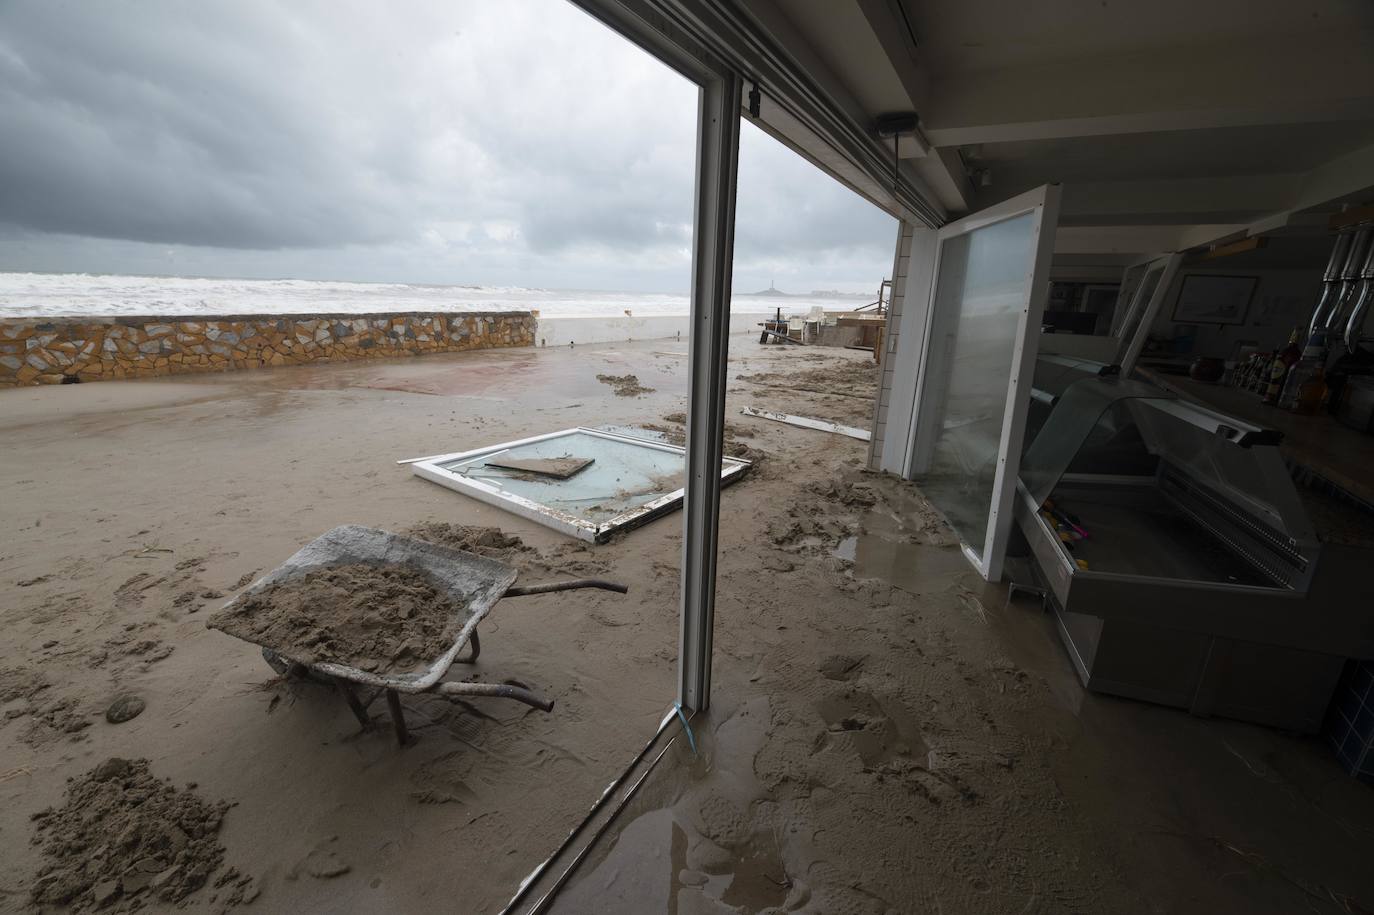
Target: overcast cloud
[(465, 141)]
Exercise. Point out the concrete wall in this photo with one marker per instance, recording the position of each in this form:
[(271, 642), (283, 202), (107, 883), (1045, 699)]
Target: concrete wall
[(56, 350)]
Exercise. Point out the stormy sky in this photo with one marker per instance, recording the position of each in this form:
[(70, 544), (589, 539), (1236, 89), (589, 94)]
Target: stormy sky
[(458, 141)]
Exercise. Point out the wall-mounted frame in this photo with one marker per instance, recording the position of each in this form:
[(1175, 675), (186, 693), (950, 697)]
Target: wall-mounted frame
[(1208, 298), (629, 481)]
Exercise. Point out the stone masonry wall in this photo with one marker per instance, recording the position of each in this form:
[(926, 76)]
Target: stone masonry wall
[(58, 350)]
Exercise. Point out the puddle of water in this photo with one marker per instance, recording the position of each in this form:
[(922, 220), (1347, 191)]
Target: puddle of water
[(847, 549), (632, 876), (917, 568), (893, 544), (758, 880)]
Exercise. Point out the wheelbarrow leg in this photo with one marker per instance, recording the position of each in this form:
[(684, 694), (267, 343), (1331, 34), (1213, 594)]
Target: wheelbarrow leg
[(476, 649), (398, 718), (354, 705)]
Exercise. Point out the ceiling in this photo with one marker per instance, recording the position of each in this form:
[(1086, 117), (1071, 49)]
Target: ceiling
[(1266, 149), (958, 38), (1196, 121)]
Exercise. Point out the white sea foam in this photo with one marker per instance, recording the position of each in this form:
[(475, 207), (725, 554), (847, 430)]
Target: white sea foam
[(79, 294)]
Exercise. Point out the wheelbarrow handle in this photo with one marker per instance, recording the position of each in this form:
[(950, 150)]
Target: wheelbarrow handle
[(571, 584), (498, 690)]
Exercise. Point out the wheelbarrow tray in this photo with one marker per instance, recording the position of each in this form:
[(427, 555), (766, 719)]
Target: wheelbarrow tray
[(474, 582)]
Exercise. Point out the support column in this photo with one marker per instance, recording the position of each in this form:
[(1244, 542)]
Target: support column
[(891, 334), (713, 245), (912, 274)]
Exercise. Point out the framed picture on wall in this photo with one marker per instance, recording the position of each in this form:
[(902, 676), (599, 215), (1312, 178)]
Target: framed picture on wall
[(1212, 299)]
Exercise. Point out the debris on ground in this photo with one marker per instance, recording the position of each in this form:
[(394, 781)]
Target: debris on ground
[(123, 838), (841, 393), (125, 708), (734, 448), (559, 468), (244, 579), (624, 385)]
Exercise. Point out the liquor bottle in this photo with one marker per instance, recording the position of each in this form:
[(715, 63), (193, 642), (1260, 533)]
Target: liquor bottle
[(1311, 393), (1278, 372), (1242, 371), (1261, 375), (1312, 362)]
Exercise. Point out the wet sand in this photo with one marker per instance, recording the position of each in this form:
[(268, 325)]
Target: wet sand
[(886, 736)]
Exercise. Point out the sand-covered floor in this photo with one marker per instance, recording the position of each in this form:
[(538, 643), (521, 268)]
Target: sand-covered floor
[(886, 735)]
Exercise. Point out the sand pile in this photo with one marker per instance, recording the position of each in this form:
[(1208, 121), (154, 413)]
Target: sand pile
[(374, 617), (484, 541), (124, 838), (841, 393), (624, 385), (850, 378), (733, 432)]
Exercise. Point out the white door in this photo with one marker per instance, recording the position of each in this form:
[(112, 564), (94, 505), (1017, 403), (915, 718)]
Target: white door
[(1145, 304), (987, 296)]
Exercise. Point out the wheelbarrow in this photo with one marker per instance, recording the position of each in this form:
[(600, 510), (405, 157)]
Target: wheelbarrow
[(474, 582)]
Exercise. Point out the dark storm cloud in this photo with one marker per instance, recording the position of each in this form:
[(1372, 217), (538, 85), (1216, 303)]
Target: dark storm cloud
[(164, 124), (450, 140)]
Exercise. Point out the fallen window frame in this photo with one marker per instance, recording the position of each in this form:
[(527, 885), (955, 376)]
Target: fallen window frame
[(432, 468)]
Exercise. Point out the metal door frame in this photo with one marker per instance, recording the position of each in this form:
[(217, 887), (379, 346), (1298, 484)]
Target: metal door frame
[(1169, 270)]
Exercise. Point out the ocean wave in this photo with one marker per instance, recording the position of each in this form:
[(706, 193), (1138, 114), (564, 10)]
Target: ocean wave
[(110, 295)]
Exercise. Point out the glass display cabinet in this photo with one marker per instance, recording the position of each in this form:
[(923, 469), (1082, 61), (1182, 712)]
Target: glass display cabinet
[(1180, 557)]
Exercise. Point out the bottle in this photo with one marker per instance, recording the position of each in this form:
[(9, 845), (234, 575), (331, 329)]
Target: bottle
[(1262, 370), (1312, 362), (1242, 372), (1311, 393), (1278, 372)]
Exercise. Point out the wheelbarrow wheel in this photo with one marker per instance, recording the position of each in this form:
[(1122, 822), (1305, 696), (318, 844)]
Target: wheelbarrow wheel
[(276, 662), (284, 668)]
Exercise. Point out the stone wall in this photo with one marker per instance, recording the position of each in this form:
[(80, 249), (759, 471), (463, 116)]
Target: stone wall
[(58, 350)]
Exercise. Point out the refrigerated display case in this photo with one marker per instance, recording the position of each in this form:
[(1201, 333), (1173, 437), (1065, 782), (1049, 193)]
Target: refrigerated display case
[(1180, 560)]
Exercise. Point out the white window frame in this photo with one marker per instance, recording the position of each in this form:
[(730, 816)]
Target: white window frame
[(435, 470)]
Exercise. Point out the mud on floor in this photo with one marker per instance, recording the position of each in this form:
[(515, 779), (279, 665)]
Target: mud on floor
[(125, 838)]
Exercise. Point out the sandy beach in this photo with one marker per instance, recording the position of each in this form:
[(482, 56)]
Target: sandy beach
[(888, 734)]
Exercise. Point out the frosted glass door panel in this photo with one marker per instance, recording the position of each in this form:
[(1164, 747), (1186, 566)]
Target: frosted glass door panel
[(981, 290), (1138, 307)]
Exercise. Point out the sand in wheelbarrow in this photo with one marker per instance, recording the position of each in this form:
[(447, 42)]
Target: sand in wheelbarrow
[(380, 618)]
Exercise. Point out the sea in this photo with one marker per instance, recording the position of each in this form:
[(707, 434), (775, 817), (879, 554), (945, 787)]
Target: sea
[(104, 295)]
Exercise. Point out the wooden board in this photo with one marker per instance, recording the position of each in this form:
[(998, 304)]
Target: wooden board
[(559, 468), (807, 422)]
